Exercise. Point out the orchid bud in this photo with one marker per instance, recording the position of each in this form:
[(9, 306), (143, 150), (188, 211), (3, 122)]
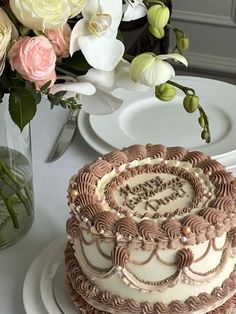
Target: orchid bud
[(204, 135), (158, 16), (157, 32), (165, 92), (191, 103), (183, 43), (201, 121)]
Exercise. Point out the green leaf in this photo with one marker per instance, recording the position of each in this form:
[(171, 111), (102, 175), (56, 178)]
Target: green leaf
[(76, 64), (22, 106), (45, 87)]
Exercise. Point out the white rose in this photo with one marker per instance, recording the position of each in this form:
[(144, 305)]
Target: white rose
[(44, 14), (5, 37), (76, 6)]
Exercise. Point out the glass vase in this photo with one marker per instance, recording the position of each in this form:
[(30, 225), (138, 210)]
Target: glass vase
[(16, 185)]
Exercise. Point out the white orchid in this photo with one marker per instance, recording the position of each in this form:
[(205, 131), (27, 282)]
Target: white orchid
[(152, 70), (94, 89), (134, 10), (95, 34)]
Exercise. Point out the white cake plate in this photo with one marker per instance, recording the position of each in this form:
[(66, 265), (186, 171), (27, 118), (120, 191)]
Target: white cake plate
[(44, 290)]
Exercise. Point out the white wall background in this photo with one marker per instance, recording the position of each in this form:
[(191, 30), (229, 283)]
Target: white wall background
[(211, 26)]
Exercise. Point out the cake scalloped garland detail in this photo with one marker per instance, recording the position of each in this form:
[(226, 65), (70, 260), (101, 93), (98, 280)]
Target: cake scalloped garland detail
[(153, 198), (115, 304)]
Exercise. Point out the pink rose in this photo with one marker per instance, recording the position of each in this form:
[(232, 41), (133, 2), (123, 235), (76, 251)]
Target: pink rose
[(60, 40), (34, 59)]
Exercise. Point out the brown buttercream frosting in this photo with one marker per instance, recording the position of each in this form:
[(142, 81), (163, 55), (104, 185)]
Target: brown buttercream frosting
[(99, 168), (195, 157), (196, 223), (175, 153), (120, 256), (126, 227), (212, 215), (135, 152), (116, 158), (223, 203), (221, 176), (90, 211), (149, 230), (105, 221), (172, 228), (185, 258), (156, 151), (210, 165)]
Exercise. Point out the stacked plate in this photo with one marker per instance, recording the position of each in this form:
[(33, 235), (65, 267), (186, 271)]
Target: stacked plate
[(144, 119)]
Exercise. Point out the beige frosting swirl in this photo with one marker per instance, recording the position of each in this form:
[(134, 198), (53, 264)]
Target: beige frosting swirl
[(149, 230), (105, 221), (225, 189), (135, 152), (226, 204), (116, 158), (172, 228), (212, 215), (126, 227), (90, 211), (184, 258), (72, 227), (195, 223), (175, 153), (210, 165), (99, 168), (195, 157), (120, 256), (221, 176), (156, 151)]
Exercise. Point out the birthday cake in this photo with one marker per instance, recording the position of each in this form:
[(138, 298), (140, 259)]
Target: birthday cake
[(152, 229)]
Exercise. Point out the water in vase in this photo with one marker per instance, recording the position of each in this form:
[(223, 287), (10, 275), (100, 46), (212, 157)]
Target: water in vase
[(16, 196)]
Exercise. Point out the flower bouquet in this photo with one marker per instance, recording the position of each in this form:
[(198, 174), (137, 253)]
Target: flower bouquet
[(72, 51)]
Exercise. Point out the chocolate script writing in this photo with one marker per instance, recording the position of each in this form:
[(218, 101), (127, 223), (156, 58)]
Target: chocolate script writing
[(147, 191)]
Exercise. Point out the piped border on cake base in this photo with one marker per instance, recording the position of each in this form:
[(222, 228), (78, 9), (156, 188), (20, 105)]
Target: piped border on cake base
[(86, 296)]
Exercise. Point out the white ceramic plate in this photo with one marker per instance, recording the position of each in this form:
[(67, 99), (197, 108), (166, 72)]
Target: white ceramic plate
[(44, 289), (228, 160), (144, 119)]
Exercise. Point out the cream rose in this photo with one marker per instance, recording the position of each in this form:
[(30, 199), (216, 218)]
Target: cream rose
[(76, 6), (45, 14), (5, 37), (34, 59), (60, 40)]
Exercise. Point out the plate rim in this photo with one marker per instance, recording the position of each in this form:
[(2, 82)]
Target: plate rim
[(31, 284), (225, 140)]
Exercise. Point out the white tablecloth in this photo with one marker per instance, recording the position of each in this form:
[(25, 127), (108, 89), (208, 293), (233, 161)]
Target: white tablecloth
[(50, 184)]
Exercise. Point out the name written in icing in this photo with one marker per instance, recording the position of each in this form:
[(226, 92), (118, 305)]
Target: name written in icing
[(147, 191)]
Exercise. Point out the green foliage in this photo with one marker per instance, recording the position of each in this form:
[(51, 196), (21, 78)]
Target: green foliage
[(77, 65), (22, 106)]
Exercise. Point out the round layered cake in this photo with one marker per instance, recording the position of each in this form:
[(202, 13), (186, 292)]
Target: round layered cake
[(152, 230)]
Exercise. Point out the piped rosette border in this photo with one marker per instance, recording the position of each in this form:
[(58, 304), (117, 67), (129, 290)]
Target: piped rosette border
[(215, 218)]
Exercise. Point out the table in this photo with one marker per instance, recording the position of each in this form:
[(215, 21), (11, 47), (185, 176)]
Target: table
[(50, 184)]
